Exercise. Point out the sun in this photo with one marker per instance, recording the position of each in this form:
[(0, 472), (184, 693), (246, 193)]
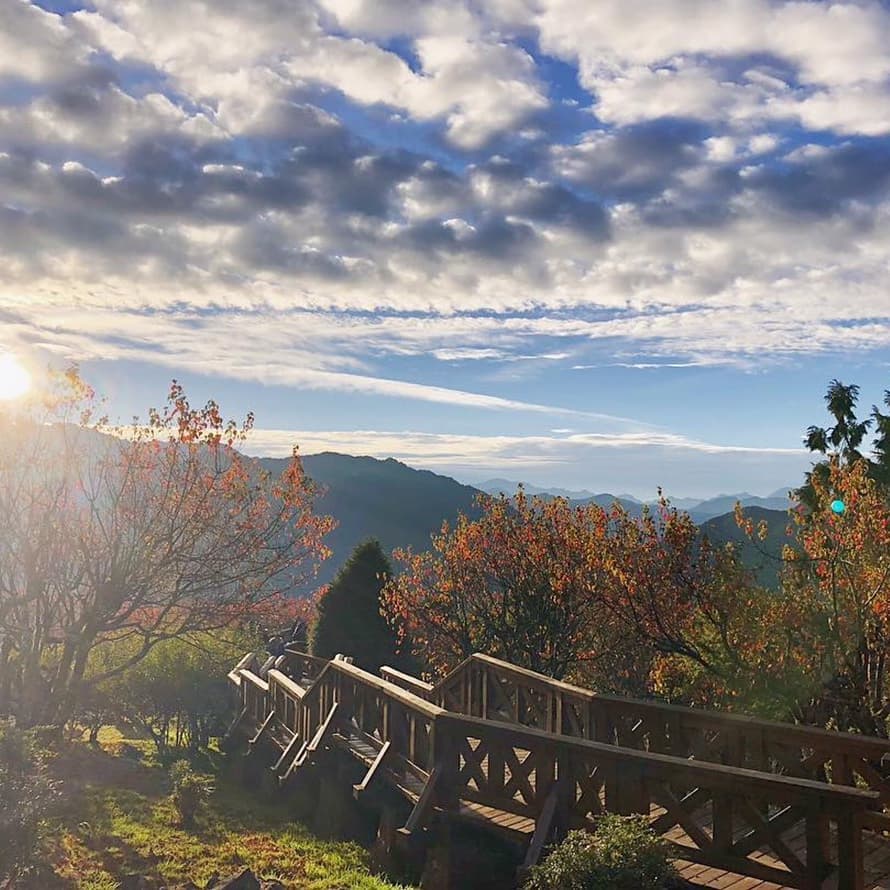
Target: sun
[(15, 381)]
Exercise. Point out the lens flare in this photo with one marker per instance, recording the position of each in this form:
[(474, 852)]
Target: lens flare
[(15, 381)]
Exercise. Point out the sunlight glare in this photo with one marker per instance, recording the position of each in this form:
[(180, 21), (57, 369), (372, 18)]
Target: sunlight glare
[(15, 381)]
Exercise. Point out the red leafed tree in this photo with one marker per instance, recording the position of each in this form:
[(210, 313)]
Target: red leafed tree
[(838, 581), (144, 532), (519, 583), (673, 588), (594, 594)]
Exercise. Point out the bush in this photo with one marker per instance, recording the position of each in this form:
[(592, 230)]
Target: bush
[(27, 796), (178, 693), (622, 854), (190, 791)]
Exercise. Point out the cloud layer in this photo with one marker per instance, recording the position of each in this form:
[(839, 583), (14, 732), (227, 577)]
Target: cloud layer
[(302, 191), (647, 460)]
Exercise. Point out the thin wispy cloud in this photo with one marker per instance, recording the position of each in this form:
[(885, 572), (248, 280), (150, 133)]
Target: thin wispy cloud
[(637, 463)]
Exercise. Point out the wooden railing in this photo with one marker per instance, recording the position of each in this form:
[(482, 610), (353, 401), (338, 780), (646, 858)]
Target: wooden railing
[(301, 666), (729, 817), (406, 681), (718, 815), (486, 687)]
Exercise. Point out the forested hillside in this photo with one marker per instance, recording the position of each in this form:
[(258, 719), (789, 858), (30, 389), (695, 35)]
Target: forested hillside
[(383, 499)]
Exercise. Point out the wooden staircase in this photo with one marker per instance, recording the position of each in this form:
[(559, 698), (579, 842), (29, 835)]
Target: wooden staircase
[(744, 803)]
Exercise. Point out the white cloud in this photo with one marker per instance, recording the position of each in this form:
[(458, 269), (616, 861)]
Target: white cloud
[(720, 148), (443, 447), (174, 194), (35, 45), (253, 54), (637, 463), (637, 59)]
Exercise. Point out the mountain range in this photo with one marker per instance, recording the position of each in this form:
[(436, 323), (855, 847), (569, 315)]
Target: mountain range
[(699, 509), (383, 499), (403, 507)]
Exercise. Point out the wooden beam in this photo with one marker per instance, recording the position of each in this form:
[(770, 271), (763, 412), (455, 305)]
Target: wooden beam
[(424, 803), (322, 731), (543, 828), (286, 753), (234, 725), (265, 724), (358, 790), (294, 764)]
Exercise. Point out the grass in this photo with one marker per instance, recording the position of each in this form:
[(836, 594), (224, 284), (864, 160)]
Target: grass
[(119, 820)]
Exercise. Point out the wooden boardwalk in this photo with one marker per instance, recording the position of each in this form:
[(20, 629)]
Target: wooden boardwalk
[(744, 803)]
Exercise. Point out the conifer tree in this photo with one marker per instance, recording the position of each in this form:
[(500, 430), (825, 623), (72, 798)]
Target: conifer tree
[(349, 621)]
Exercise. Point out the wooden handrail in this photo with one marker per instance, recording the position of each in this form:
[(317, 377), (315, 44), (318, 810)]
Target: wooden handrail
[(726, 777), (234, 675), (812, 736), (408, 699), (280, 679), (252, 678), (406, 681)]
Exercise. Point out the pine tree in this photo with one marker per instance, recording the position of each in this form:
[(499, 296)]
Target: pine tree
[(349, 620)]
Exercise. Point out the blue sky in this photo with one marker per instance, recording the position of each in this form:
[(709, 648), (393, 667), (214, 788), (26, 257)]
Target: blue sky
[(587, 243)]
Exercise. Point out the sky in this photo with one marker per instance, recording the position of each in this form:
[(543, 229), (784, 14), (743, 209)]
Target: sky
[(599, 244)]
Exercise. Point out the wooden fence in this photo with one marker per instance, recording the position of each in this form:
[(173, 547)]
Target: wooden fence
[(558, 756)]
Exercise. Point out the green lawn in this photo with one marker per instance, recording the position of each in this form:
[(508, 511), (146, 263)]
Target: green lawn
[(119, 820)]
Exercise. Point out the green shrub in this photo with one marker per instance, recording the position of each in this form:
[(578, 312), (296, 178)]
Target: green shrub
[(178, 693), (27, 797), (621, 854), (190, 791)]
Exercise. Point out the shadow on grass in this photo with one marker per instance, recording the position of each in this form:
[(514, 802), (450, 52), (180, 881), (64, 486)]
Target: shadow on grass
[(119, 819)]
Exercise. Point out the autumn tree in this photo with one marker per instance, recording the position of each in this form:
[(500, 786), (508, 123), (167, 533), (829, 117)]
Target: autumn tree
[(349, 612), (139, 533), (822, 645), (519, 583), (839, 584), (608, 599)]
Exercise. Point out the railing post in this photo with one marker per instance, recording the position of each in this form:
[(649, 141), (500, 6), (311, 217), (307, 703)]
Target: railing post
[(484, 671), (346, 700), (723, 822), (818, 845), (603, 729), (851, 870), (446, 759)]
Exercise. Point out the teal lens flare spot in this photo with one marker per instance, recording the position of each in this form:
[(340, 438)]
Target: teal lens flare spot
[(838, 507)]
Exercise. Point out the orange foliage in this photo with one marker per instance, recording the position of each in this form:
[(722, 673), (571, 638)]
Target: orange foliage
[(148, 531)]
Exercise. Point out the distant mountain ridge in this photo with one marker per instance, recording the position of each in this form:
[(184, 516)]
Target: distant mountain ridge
[(699, 509), (725, 503), (402, 507), (505, 486), (383, 499)]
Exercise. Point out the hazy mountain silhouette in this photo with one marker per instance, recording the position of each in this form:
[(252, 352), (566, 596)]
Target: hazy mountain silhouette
[(725, 503), (700, 509), (764, 557), (383, 499), (507, 486)]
